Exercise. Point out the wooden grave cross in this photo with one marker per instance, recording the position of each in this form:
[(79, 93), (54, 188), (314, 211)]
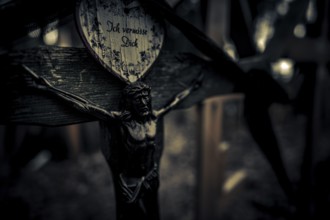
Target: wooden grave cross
[(47, 85)]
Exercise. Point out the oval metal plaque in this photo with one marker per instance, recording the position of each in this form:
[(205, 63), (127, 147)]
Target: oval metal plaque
[(121, 35)]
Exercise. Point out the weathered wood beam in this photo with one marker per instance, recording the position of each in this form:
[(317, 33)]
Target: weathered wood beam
[(300, 50), (75, 70)]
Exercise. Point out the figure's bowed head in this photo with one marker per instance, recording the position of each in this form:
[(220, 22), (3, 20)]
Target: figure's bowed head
[(137, 100)]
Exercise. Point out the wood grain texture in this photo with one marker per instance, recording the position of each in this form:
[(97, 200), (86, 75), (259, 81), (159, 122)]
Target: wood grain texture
[(74, 70)]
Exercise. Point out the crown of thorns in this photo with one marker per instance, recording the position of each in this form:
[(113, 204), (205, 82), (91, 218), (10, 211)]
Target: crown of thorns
[(134, 88)]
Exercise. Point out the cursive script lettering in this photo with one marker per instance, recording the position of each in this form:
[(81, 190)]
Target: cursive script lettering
[(135, 31), (128, 43), (112, 27), (116, 28)]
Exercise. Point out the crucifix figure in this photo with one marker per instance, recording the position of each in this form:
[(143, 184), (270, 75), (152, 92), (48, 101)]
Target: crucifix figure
[(131, 151)]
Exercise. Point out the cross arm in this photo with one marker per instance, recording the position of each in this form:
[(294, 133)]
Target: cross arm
[(181, 96), (79, 103), (75, 71)]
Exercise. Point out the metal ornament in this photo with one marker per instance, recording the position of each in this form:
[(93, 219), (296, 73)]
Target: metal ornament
[(121, 35)]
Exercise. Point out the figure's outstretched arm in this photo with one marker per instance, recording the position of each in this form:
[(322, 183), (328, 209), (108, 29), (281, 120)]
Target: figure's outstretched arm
[(77, 102), (181, 96)]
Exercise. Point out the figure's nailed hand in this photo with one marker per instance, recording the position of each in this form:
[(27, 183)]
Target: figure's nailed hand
[(34, 80)]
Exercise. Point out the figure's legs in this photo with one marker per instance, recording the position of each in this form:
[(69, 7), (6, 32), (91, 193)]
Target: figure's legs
[(142, 204)]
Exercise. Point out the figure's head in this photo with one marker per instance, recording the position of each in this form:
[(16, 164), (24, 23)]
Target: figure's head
[(137, 99)]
